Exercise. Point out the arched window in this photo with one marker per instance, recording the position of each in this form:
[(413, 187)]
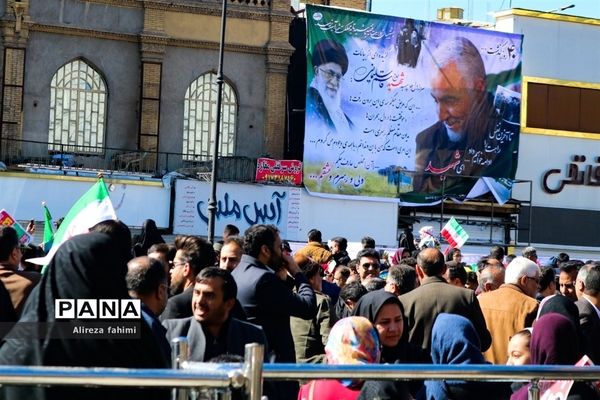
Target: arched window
[(77, 109), (199, 119)]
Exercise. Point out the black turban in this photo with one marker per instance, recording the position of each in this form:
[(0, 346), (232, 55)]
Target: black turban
[(328, 50)]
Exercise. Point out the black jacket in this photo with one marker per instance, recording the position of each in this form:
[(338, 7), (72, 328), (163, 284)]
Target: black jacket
[(179, 306), (268, 302), (239, 334)]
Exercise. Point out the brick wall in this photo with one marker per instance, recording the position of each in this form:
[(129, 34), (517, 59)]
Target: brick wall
[(275, 105), (357, 4), (154, 20)]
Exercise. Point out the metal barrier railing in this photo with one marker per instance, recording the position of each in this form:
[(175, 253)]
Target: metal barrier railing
[(21, 153), (252, 372), (69, 376)]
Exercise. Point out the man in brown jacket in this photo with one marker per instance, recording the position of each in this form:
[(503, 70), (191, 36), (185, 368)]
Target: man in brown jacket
[(423, 304), (512, 307), (314, 249), (18, 283)]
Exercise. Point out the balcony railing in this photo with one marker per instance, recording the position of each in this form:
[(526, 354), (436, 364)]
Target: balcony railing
[(34, 155)]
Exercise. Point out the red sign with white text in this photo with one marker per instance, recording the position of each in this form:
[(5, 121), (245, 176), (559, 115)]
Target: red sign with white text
[(280, 171), (7, 220)]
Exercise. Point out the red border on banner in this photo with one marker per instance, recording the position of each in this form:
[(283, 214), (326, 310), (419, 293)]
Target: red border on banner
[(280, 171)]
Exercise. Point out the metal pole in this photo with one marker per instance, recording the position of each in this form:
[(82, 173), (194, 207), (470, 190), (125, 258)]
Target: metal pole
[(113, 377), (253, 362), (530, 212), (212, 202), (534, 391), (286, 372), (492, 224), (179, 354), (443, 177), (156, 154)]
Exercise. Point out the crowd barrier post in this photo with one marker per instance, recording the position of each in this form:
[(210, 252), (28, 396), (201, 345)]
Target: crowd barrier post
[(253, 365), (534, 390), (179, 354)]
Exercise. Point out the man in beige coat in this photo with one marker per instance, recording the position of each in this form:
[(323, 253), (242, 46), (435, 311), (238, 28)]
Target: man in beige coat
[(512, 307)]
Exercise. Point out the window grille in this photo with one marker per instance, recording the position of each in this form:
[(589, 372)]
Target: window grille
[(200, 112), (77, 109)]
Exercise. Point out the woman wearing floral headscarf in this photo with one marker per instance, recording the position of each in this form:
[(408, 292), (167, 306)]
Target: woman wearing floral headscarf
[(352, 340)]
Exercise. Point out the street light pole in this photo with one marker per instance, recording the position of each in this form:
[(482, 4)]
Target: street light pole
[(563, 8), (212, 202)]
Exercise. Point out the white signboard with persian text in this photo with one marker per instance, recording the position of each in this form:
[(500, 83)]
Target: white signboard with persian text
[(291, 209)]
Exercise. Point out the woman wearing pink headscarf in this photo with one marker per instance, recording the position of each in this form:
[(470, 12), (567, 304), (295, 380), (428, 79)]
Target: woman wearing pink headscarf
[(399, 255)]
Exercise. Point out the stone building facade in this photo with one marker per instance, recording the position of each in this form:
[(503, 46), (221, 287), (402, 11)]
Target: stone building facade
[(138, 75)]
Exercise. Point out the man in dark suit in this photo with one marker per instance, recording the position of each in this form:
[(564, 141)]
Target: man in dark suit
[(147, 280), (265, 278), (423, 304), (588, 285), (264, 294), (193, 254), (211, 331)]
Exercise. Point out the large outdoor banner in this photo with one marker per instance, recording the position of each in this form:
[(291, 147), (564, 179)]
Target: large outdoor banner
[(409, 109)]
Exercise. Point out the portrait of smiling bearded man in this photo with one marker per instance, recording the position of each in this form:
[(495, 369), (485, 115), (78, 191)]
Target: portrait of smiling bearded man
[(468, 138)]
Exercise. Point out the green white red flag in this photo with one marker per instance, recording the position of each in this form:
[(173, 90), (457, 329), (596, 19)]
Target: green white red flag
[(91, 208), (454, 234)]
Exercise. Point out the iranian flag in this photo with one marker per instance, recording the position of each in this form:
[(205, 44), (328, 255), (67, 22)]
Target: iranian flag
[(91, 208), (454, 234)]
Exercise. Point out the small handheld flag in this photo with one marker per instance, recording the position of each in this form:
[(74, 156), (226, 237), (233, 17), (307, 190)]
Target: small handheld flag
[(454, 234)]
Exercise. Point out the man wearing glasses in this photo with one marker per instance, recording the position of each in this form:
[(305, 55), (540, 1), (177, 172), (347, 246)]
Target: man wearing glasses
[(368, 264), (323, 102), (193, 255), (512, 307)]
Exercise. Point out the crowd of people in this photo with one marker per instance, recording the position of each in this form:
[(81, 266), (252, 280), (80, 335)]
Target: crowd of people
[(314, 305)]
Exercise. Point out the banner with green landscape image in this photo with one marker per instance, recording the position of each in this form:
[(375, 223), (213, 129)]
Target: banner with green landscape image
[(405, 109)]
